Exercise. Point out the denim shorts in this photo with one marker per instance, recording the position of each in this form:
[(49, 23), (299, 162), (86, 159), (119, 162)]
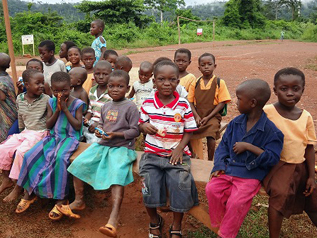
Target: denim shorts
[(158, 176)]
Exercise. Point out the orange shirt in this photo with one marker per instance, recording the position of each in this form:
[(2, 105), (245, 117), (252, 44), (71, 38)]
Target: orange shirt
[(187, 80), (88, 83)]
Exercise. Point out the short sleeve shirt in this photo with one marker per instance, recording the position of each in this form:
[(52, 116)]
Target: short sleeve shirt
[(187, 80), (142, 91), (58, 66), (96, 103)]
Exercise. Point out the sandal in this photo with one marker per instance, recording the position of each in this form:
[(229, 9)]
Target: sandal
[(108, 230), (175, 232), (65, 209), (158, 226), (24, 205), (55, 214)]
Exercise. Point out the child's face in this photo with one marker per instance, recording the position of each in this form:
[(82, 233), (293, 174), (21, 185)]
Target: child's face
[(182, 61), (145, 74), (101, 75), (289, 89), (207, 66), (35, 65), (35, 85), (61, 87), (244, 103), (95, 29), (117, 88), (74, 56), (63, 51), (88, 60), (166, 80), (112, 59), (74, 79), (45, 54)]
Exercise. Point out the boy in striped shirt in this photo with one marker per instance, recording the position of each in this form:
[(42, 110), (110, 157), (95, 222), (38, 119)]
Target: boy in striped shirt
[(168, 123)]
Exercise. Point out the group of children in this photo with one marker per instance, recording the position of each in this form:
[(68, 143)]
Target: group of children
[(61, 104)]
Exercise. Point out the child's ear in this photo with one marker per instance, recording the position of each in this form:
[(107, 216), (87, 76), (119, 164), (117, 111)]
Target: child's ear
[(254, 102), (189, 62), (215, 66), (128, 88), (52, 52), (274, 90)]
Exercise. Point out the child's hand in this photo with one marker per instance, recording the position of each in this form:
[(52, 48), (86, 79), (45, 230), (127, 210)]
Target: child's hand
[(59, 98), (20, 87), (216, 174), (176, 156), (198, 121), (92, 127), (97, 133), (63, 104), (204, 121), (310, 186), (240, 147), (149, 129)]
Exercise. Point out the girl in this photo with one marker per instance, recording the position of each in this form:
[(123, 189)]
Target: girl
[(74, 57), (291, 182), (109, 162), (44, 169), (65, 46), (32, 122)]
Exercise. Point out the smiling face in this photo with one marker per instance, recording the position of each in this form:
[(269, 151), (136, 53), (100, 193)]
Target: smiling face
[(45, 54), (166, 80), (207, 66), (117, 88), (289, 89), (74, 56), (101, 74), (88, 60), (182, 61), (35, 84)]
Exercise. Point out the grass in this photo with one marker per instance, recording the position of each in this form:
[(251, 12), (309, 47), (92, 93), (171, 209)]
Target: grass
[(312, 64)]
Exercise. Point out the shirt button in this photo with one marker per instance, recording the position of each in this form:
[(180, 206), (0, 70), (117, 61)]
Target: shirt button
[(164, 113), (234, 161)]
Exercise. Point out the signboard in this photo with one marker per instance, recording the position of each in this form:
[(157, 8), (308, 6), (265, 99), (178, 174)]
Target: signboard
[(27, 40), (199, 31)]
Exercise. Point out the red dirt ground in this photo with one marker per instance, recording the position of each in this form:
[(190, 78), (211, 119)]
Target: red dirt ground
[(236, 62)]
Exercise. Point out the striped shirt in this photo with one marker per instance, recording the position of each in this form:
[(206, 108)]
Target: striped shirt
[(96, 102), (32, 116), (171, 120)]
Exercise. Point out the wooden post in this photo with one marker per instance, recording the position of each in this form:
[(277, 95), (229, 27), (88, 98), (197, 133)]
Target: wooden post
[(9, 39), (179, 31), (213, 30)]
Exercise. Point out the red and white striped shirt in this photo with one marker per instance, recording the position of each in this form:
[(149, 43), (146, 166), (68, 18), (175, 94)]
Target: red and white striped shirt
[(171, 120)]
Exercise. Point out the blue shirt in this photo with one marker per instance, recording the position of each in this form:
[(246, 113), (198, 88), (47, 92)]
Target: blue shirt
[(264, 134)]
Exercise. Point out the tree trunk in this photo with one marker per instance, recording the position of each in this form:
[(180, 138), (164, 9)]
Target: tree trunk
[(161, 17)]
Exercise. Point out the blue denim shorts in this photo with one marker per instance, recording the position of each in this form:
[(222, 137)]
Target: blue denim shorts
[(158, 176)]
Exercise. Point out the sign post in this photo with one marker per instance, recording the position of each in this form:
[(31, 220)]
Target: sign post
[(27, 40)]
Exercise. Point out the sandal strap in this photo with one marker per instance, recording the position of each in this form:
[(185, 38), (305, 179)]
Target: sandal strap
[(176, 232), (158, 225)]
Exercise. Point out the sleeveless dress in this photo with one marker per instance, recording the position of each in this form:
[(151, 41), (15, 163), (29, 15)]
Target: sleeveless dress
[(44, 168)]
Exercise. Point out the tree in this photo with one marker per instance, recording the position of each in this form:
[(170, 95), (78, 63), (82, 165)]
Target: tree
[(164, 5), (231, 15), (294, 5)]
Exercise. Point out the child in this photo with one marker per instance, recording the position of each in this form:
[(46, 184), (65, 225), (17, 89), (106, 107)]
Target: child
[(111, 56), (123, 63), (8, 109), (182, 58), (74, 56), (44, 168), (109, 162), (88, 58), (32, 124), (250, 147), (51, 64), (290, 184), (208, 88), (144, 87), (77, 78), (99, 44), (168, 122), (64, 49), (98, 96)]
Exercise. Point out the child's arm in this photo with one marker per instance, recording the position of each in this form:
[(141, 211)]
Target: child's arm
[(131, 94), (240, 147), (177, 153), (310, 160), (2, 96), (84, 97), (76, 121), (144, 123), (217, 109), (196, 116), (51, 117)]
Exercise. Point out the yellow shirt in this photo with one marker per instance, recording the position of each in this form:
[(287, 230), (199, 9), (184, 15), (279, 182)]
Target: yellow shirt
[(297, 134), (221, 95), (187, 80), (88, 83)]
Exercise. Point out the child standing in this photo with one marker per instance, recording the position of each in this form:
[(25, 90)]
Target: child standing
[(88, 58), (109, 162), (168, 123), (111, 56), (74, 57), (99, 44), (32, 124), (44, 168), (250, 147), (208, 88), (144, 87), (77, 78), (98, 96), (64, 49), (291, 183), (8, 109), (51, 64)]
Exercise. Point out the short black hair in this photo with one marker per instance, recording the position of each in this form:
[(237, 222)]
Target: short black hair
[(88, 50), (75, 47), (123, 60), (50, 46), (205, 55), (60, 77), (109, 52), (146, 65), (35, 60), (103, 63), (289, 71), (183, 51), (100, 23), (4, 61), (160, 59), (165, 63), (120, 73), (69, 44), (28, 73)]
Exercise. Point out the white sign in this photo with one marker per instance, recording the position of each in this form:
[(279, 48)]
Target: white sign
[(199, 31), (27, 40)]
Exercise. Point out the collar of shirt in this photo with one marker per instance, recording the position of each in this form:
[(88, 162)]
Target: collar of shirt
[(260, 125), (102, 95), (159, 104), (22, 95)]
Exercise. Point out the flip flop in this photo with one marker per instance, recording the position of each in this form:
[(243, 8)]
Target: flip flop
[(65, 209), (108, 230), (24, 205), (55, 214)]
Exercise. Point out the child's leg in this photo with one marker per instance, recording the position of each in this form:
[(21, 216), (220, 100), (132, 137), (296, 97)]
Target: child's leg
[(117, 193), (154, 221), (15, 193), (78, 203), (275, 222), (6, 181), (211, 144), (177, 223)]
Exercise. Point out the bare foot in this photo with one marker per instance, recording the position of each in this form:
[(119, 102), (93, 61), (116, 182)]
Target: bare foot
[(15, 193), (6, 183), (77, 205)]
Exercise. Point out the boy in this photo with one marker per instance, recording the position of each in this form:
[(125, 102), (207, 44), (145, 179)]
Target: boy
[(88, 58), (168, 123), (77, 78), (250, 147), (182, 58), (124, 63), (99, 44), (111, 56), (51, 64), (208, 88)]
